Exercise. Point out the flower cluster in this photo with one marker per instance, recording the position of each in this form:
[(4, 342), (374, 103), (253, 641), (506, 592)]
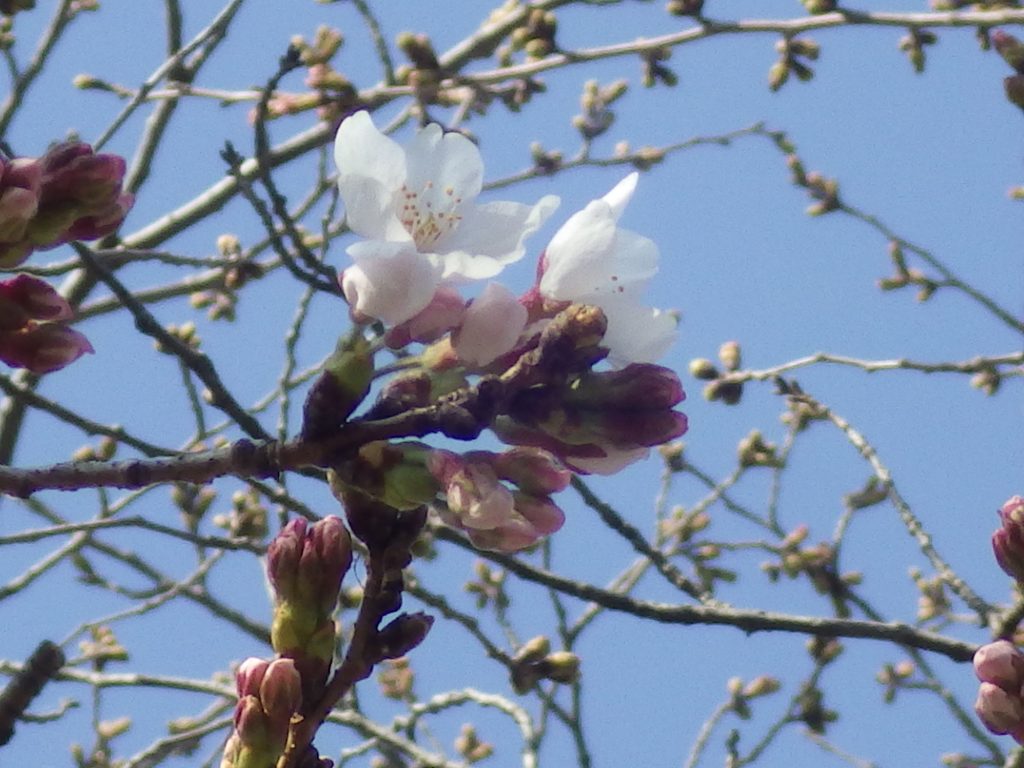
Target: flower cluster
[(33, 334), (269, 694), (305, 565), (70, 193), (423, 236), (492, 514)]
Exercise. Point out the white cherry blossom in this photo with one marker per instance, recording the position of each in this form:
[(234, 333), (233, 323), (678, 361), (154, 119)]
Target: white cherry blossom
[(415, 208), (591, 260)]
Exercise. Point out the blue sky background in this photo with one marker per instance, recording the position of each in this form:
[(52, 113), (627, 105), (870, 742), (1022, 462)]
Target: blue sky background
[(932, 155)]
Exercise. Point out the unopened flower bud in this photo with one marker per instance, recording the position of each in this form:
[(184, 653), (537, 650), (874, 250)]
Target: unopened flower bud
[(281, 692), (561, 667), (1010, 48), (341, 387), (1000, 663), (1008, 540), (533, 470), (702, 368), (43, 348), (403, 634), (533, 650), (729, 354), (249, 675), (1014, 87), (1001, 712), (37, 298), (761, 686)]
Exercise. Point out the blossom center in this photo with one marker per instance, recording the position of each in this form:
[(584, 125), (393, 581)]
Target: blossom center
[(429, 215)]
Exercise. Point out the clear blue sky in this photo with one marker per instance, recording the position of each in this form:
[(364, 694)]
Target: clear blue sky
[(931, 155)]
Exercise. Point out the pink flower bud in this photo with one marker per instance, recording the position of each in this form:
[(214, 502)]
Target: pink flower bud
[(1010, 48), (1008, 540), (476, 496), (331, 556), (543, 515), (43, 348), (444, 312), (249, 675), (1000, 711), (491, 327), (1002, 664), (639, 386), (72, 171), (403, 633), (38, 299), (102, 221), (251, 722), (17, 207), (283, 558), (532, 469), (281, 692)]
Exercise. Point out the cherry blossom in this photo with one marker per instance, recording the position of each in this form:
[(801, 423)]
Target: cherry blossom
[(415, 208), (591, 260)]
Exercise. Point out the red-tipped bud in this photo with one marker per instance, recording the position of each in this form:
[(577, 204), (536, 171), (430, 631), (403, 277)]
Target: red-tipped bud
[(43, 348), (1008, 540), (37, 298), (331, 547), (249, 675), (283, 558), (403, 634), (281, 692), (1010, 48)]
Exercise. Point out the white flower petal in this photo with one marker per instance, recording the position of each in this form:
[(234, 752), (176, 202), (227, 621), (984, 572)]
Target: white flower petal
[(621, 194), (590, 260), (492, 235), (637, 334), (491, 326), (371, 170), (389, 281), (443, 167), (610, 463)]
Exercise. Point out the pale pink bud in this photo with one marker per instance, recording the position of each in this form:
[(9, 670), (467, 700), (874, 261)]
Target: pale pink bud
[(1002, 664), (1000, 711), (249, 675), (478, 498), (532, 469), (444, 312), (540, 512), (491, 327), (281, 692)]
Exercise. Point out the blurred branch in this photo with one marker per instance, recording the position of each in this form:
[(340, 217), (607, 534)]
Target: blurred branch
[(24, 79)]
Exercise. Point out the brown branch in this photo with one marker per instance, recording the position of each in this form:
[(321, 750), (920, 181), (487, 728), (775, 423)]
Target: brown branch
[(749, 621)]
